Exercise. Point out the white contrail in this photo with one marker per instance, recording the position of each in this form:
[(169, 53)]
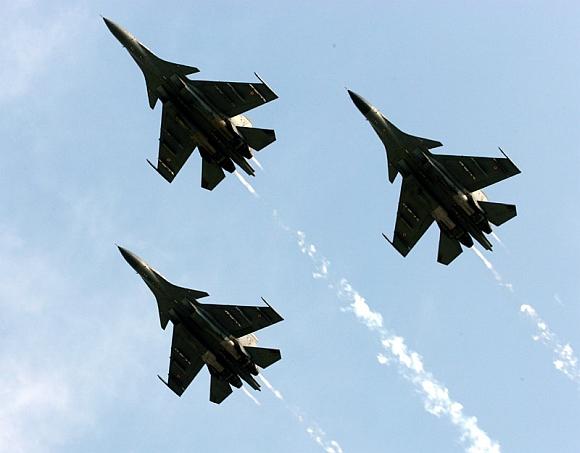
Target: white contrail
[(313, 430), (270, 387), (565, 359), (496, 275), (498, 240), (257, 162), (321, 264), (252, 397), (246, 184), (435, 396)]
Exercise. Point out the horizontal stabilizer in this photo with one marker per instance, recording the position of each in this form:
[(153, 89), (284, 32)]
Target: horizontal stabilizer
[(263, 357), (498, 213), (219, 390), (211, 174), (449, 249), (257, 138)]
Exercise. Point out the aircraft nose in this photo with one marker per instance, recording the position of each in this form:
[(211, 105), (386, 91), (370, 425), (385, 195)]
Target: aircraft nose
[(360, 102), (134, 261), (122, 35)]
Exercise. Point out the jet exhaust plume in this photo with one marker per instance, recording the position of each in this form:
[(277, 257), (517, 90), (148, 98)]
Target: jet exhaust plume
[(246, 184), (497, 239), (252, 397), (496, 275), (257, 162), (312, 429)]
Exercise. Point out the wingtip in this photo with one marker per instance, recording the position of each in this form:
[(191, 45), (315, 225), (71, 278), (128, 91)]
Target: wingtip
[(266, 302), (388, 240)]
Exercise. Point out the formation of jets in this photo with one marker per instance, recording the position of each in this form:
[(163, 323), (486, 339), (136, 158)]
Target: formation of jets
[(208, 115)]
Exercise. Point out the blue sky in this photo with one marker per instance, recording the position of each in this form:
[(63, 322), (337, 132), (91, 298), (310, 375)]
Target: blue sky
[(81, 339)]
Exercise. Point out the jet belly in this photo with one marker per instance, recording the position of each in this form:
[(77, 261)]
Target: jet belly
[(223, 354), (444, 195), (218, 138)]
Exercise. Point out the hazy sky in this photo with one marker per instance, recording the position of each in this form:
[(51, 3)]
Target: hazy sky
[(380, 353)]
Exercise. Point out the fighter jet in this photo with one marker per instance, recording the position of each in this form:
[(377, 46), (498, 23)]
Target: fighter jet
[(219, 336), (199, 113), (440, 188)]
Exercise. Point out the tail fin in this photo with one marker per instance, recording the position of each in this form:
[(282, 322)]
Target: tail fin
[(219, 390), (257, 138), (263, 357), (498, 213), (449, 249)]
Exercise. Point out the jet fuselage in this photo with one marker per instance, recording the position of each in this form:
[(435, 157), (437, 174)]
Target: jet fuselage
[(452, 206), (224, 356), (217, 135)]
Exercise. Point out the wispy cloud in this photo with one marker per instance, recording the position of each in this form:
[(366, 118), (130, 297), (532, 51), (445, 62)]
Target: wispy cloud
[(312, 428), (60, 371), (30, 39), (246, 184), (565, 359), (435, 395)]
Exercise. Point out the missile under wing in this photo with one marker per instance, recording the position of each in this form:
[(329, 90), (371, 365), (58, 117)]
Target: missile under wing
[(439, 188), (202, 114), (217, 336)]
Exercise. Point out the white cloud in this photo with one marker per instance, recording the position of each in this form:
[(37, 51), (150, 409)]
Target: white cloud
[(30, 39), (60, 371)]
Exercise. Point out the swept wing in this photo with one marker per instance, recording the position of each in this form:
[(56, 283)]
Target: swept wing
[(176, 142), (475, 173), (185, 362), (234, 98), (413, 216), (240, 320)]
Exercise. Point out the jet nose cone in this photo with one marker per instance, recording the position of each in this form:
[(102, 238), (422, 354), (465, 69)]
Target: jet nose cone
[(134, 261), (360, 102), (122, 35)]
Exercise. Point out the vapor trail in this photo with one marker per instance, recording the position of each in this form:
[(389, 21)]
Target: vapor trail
[(252, 397), (435, 396), (496, 275), (497, 239), (246, 184), (312, 429), (257, 162), (565, 359)]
